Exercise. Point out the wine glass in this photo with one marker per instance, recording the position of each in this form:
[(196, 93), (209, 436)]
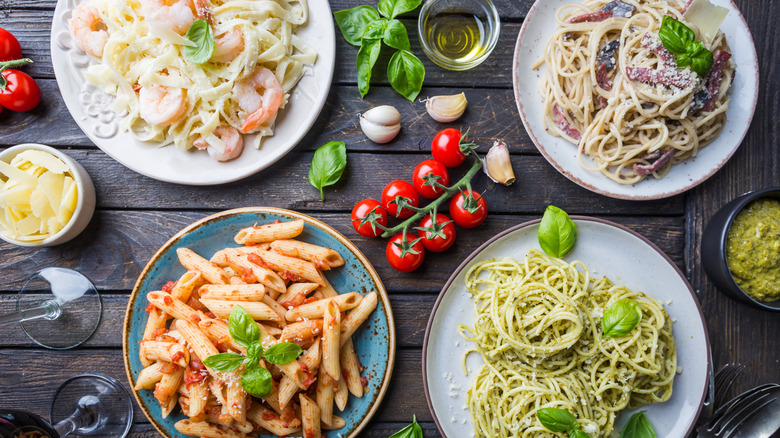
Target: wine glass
[(57, 308), (88, 405)]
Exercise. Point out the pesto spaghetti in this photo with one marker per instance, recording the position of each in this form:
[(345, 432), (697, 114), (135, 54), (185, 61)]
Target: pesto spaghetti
[(538, 330)]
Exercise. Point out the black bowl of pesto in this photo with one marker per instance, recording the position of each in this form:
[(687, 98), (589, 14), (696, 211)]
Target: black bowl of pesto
[(740, 249)]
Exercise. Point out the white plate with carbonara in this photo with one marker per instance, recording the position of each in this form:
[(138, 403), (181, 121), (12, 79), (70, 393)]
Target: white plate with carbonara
[(560, 358), (616, 111), (196, 92)]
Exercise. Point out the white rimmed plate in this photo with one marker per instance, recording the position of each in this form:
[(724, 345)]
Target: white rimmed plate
[(607, 249), (91, 108), (536, 30)]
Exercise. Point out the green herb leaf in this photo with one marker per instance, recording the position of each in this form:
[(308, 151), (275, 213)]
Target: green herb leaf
[(375, 29), (327, 165), (411, 431), (578, 434), (224, 361), (199, 33), (675, 36), (406, 74), (638, 426), (243, 329), (621, 317), (557, 232), (352, 22), (257, 382), (557, 420), (393, 8), (251, 362), (701, 58), (395, 35), (366, 58), (282, 353), (254, 350)]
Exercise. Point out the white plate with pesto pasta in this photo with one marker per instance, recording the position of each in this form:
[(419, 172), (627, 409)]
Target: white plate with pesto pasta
[(615, 131), (178, 110), (637, 270)]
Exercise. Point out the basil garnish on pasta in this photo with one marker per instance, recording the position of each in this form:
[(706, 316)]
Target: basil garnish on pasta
[(681, 40), (638, 426), (557, 232), (621, 317), (199, 33)]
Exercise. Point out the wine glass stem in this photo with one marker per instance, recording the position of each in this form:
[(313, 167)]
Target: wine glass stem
[(82, 417), (49, 310)]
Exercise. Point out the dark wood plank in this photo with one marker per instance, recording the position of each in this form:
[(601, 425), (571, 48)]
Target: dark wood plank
[(117, 245)]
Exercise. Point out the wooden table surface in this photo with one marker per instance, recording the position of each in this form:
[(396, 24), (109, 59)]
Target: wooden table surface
[(136, 215)]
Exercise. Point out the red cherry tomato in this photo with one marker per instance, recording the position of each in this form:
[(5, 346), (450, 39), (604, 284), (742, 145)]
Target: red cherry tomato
[(463, 216), (21, 93), (446, 147), (430, 167), (365, 208), (403, 189), (409, 261), (441, 240), (9, 46)]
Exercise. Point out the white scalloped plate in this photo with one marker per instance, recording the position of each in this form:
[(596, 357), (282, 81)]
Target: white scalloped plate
[(537, 27), (90, 108)]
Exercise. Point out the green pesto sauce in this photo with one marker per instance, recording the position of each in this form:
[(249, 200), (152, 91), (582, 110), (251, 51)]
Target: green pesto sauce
[(753, 249)]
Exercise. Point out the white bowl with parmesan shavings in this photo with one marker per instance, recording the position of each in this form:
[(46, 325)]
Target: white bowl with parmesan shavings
[(46, 197)]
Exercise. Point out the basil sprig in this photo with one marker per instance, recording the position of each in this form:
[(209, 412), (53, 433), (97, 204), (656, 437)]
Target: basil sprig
[(638, 426), (680, 40), (201, 34), (328, 165), (560, 420), (411, 431), (621, 317), (256, 380), (557, 232), (365, 27)]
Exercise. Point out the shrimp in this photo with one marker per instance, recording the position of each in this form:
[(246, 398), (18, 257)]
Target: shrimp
[(161, 105), (176, 15), (228, 46), (234, 143), (260, 96), (88, 29)]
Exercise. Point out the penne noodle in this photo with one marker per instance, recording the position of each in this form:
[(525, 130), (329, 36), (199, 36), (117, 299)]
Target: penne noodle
[(167, 407), (350, 368), (297, 290), (166, 351), (205, 430), (186, 284), (269, 232), (252, 272), (236, 398), (308, 363), (301, 332), (237, 292), (217, 331), (327, 289), (323, 258), (199, 395), (198, 341), (325, 397), (173, 307), (256, 310), (280, 263), (149, 376), (168, 385), (310, 417), (316, 309), (193, 262), (331, 328), (336, 423), (157, 320), (341, 394), (278, 308), (269, 420), (357, 316)]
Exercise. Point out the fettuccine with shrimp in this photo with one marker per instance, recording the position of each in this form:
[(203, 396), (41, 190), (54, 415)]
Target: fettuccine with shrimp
[(257, 59)]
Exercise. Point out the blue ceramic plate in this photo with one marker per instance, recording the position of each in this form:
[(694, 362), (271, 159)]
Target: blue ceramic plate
[(374, 341)]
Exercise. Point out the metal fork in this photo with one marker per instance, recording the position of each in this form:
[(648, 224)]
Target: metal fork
[(732, 415), (719, 385)]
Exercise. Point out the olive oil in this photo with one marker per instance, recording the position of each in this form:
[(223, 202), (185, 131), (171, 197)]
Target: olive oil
[(457, 37)]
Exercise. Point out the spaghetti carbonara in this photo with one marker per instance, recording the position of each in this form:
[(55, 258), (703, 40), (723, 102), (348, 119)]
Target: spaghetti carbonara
[(612, 88), (537, 328), (166, 95)]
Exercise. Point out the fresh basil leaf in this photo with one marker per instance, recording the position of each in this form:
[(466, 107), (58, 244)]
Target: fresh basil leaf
[(224, 361), (254, 350), (701, 58), (282, 353), (352, 22), (621, 317), (557, 420), (199, 33), (257, 382), (578, 434), (411, 431), (395, 35), (251, 362), (375, 29), (638, 426), (406, 74), (327, 165), (675, 36), (393, 8), (366, 58), (557, 232), (243, 329)]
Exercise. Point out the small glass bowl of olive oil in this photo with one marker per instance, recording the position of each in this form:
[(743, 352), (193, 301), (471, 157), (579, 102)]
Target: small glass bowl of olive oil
[(458, 34)]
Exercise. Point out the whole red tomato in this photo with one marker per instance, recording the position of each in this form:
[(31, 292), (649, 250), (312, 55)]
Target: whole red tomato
[(437, 238), (430, 171), (403, 189), (9, 46), (468, 214), (21, 93), (449, 147), (364, 211), (404, 257)]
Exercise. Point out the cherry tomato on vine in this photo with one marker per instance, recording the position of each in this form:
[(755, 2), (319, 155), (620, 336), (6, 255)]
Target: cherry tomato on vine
[(364, 211), (9, 46), (403, 189), (468, 213), (404, 257), (21, 93), (437, 238), (430, 171), (449, 147)]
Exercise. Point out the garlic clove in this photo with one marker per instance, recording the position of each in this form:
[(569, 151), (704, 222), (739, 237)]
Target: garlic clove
[(498, 166), (446, 109), (381, 124)]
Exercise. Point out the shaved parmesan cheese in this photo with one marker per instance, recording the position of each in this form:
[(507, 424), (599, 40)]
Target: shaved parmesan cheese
[(43, 159), (706, 16), (18, 175)]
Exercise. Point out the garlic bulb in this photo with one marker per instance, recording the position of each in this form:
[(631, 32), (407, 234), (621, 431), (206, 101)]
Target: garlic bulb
[(446, 108), (381, 124), (497, 164)]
